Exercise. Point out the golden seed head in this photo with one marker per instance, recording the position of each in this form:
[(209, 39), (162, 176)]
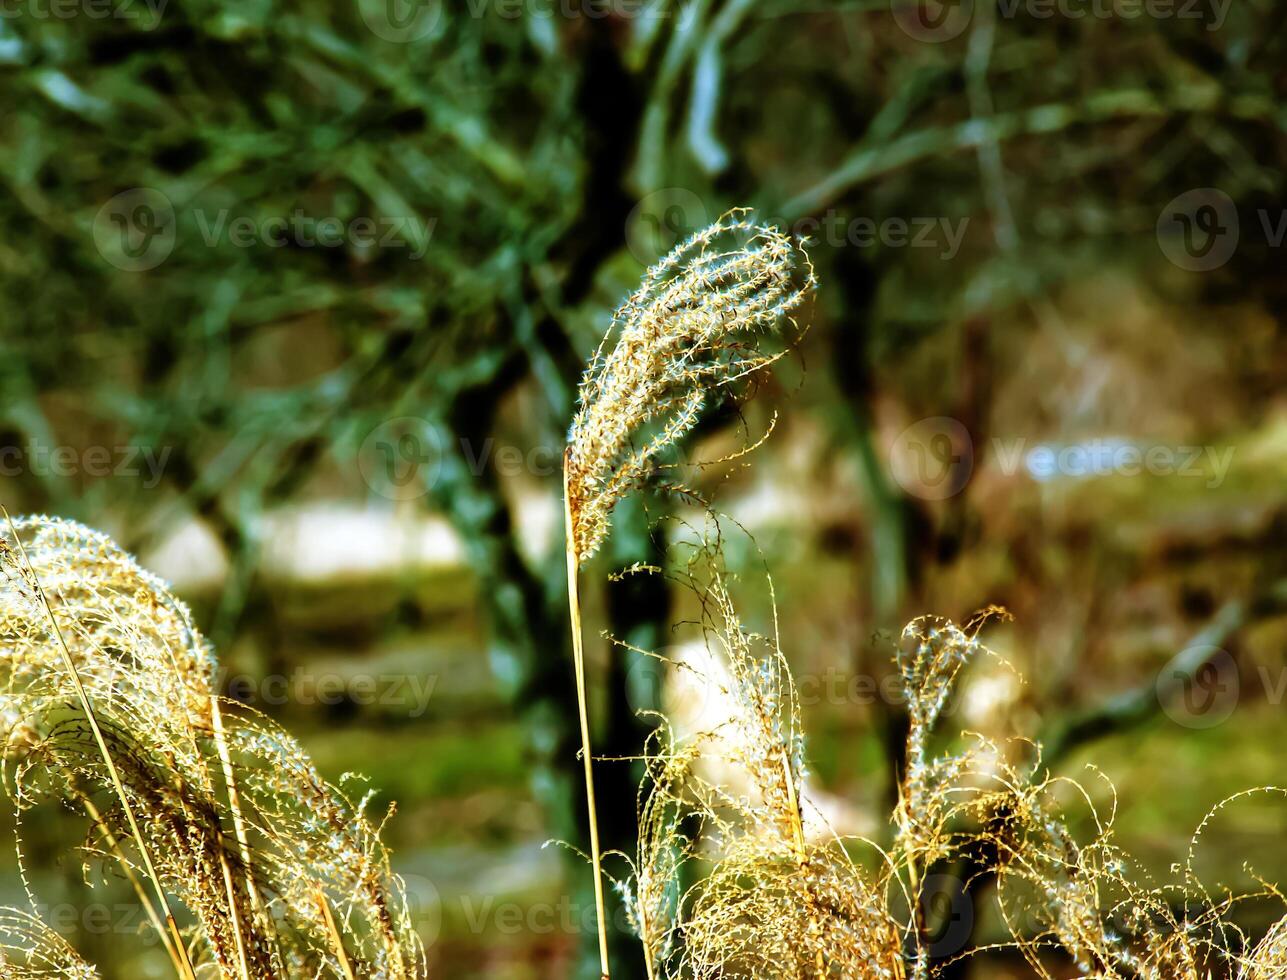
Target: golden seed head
[(694, 326)]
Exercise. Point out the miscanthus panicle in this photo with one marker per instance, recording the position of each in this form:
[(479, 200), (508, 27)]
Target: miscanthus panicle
[(650, 894), (1269, 959), (280, 873), (693, 328)]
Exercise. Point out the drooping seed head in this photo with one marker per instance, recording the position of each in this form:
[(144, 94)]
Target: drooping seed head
[(693, 327)]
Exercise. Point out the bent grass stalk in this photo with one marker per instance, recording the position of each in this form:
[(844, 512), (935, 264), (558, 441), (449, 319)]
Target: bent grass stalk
[(183, 962)]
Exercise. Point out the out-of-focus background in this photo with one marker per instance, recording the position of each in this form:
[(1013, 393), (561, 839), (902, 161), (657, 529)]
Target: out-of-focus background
[(296, 296)]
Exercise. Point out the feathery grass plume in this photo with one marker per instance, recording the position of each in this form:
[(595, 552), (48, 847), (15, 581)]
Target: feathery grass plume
[(691, 329), (931, 655), (929, 659), (1052, 890), (30, 950), (765, 913), (20, 571), (150, 677), (1055, 891), (1086, 899)]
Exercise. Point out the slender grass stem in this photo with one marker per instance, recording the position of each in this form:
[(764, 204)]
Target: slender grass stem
[(578, 657), (797, 830), (232, 911), (238, 821), (336, 941)]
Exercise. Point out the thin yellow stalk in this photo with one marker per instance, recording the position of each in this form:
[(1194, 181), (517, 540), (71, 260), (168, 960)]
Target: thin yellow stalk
[(238, 822), (336, 941), (797, 830), (232, 910), (91, 718), (793, 800), (578, 657)]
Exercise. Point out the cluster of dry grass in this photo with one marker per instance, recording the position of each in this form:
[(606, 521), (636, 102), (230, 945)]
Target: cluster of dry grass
[(249, 865), (766, 900), (690, 333)]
